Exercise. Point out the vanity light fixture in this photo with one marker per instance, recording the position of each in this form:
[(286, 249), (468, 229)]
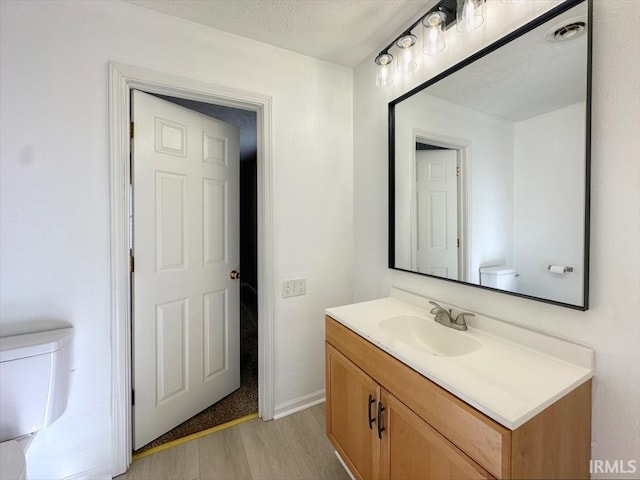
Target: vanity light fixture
[(433, 33), (467, 13), (406, 62), (384, 71)]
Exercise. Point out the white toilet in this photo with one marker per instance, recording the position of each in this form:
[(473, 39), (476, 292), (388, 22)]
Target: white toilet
[(34, 387), (500, 277)]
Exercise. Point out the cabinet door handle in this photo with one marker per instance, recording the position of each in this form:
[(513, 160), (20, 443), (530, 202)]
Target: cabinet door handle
[(371, 418), (380, 427)]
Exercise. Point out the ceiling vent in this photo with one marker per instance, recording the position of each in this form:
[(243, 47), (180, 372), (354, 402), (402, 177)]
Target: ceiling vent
[(567, 31)]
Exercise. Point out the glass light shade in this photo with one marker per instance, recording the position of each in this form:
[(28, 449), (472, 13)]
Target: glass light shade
[(406, 62), (384, 70), (469, 14), (433, 33)]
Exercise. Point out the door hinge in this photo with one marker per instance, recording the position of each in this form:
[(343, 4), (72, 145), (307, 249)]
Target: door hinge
[(458, 242), (131, 130), (131, 264), (133, 397), (457, 168)]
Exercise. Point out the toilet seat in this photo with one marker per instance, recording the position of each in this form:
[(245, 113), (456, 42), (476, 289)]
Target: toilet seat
[(12, 462)]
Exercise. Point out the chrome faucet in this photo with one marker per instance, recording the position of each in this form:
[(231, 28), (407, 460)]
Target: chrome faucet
[(443, 317)]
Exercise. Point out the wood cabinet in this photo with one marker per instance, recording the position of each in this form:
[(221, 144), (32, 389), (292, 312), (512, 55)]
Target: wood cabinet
[(352, 408), (389, 422), (412, 449)]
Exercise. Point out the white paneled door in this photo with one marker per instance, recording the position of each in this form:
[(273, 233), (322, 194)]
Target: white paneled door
[(437, 213), (186, 325)]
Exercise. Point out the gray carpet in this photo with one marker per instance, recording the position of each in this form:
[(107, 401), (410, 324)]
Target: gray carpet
[(239, 403)]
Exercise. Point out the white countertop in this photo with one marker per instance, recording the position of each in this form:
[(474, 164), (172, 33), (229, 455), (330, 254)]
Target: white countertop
[(515, 375)]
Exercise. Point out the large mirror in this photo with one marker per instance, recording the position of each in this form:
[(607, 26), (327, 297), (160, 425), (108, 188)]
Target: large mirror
[(489, 165)]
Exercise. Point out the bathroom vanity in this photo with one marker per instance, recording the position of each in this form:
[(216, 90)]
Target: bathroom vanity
[(415, 403)]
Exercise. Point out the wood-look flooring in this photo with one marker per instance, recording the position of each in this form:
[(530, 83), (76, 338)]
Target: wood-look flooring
[(293, 447)]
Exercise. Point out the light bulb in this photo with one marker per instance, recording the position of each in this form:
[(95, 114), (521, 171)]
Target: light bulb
[(405, 44), (469, 14), (433, 33), (384, 71)]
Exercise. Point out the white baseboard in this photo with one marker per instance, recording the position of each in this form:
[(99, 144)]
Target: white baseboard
[(103, 472), (298, 404)]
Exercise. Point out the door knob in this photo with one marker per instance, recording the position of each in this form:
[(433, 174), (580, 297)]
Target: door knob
[(234, 275)]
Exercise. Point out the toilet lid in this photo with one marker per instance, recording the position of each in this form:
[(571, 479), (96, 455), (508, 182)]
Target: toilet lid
[(12, 462)]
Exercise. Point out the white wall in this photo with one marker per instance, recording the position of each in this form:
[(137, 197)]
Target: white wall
[(488, 173), (612, 325), (54, 208), (549, 186)]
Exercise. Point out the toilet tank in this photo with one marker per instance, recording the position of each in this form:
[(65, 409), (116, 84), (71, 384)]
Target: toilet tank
[(500, 277), (34, 380)]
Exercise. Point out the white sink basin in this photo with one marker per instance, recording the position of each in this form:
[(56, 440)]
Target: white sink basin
[(426, 335)]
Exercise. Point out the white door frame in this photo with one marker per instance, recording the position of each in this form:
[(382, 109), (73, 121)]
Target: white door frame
[(463, 149), (122, 79)]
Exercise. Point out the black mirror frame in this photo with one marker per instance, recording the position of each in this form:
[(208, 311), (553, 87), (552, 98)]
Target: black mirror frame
[(568, 4)]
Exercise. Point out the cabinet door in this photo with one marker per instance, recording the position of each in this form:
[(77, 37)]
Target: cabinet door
[(351, 396), (412, 449)]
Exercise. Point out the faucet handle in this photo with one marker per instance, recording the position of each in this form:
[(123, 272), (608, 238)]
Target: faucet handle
[(460, 319), (437, 307)]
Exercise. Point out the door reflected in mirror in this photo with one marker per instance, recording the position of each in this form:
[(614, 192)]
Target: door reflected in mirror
[(490, 165)]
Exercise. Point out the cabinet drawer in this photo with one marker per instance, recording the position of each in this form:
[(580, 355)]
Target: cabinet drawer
[(485, 441)]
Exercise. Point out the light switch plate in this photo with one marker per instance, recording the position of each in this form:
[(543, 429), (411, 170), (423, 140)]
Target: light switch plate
[(294, 287)]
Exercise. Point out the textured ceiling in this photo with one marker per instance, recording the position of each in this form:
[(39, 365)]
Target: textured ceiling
[(339, 31), (527, 77), (347, 32)]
